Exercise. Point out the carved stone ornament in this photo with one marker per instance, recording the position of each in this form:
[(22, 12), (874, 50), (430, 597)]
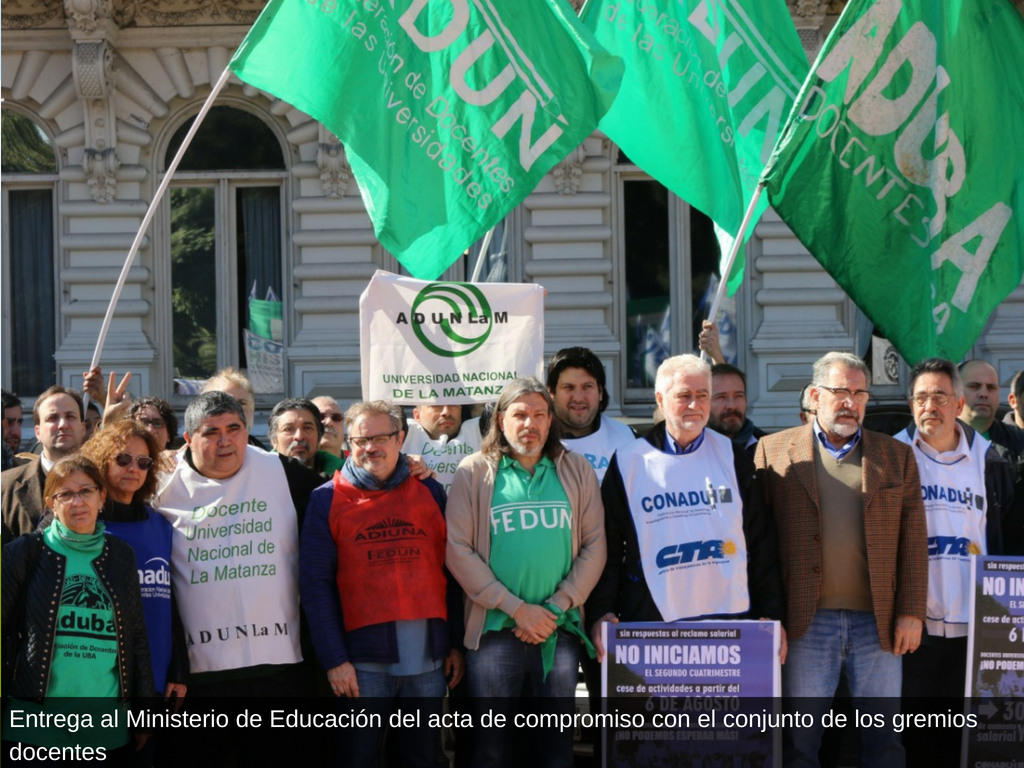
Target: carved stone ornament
[(31, 14), (568, 174), (86, 15), (335, 172), (101, 167), (93, 67), (178, 13)]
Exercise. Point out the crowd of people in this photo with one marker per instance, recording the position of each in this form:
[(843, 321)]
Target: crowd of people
[(486, 554)]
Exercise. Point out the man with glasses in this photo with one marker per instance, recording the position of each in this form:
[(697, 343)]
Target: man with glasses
[(967, 488), (60, 428), (332, 418), (157, 417), (382, 613), (854, 556)]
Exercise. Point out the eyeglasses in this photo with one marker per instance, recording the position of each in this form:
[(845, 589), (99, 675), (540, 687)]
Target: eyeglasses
[(335, 417), (126, 459), (153, 423), (379, 441), (939, 398), (859, 396), (85, 494)]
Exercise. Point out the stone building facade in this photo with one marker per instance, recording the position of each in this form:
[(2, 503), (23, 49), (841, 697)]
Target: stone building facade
[(267, 197)]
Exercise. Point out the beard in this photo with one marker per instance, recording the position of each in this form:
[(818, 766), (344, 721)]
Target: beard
[(832, 424), (527, 451)]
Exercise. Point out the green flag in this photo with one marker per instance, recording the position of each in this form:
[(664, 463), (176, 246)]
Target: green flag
[(707, 87), (902, 168), (451, 111)]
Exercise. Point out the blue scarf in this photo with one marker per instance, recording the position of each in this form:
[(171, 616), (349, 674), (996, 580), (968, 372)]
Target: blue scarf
[(367, 481)]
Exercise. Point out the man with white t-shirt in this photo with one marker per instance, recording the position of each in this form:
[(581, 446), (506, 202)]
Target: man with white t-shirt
[(576, 381), (688, 534), (442, 438), (967, 488)]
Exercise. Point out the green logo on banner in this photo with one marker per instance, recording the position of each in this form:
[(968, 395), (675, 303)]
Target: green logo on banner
[(468, 310)]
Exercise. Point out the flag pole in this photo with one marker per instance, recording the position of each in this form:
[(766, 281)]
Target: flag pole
[(484, 247), (150, 212), (736, 245)]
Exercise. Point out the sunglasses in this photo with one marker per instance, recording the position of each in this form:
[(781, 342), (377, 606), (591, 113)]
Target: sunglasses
[(126, 459)]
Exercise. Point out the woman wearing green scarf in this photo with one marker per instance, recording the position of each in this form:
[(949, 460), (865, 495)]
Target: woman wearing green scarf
[(74, 636)]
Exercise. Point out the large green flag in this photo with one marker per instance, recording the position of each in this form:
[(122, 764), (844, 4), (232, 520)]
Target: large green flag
[(902, 168), (708, 85), (451, 111)]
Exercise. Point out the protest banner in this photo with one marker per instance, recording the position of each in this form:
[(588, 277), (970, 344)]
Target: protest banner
[(265, 361), (708, 84), (707, 688), (447, 343), (995, 662), (451, 112), (901, 171)]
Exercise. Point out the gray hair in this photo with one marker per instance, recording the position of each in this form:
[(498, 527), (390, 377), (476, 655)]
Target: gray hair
[(495, 444), (937, 365), (824, 366), (680, 365), (209, 404), (293, 404), (373, 408), (805, 399)]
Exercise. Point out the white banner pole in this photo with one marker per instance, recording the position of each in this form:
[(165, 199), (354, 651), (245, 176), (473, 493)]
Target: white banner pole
[(736, 245), (150, 212)]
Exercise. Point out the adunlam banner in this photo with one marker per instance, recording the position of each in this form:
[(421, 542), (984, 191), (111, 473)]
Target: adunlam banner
[(447, 343)]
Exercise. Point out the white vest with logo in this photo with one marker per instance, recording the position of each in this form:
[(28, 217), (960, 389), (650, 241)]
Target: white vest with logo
[(598, 447), (692, 547), (443, 455), (954, 506), (235, 557)]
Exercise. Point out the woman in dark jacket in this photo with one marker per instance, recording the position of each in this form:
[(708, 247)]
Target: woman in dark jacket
[(89, 656), (127, 454)]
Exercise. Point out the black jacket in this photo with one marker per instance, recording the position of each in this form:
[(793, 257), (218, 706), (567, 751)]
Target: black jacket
[(33, 576), (1008, 440), (623, 589), (998, 491)]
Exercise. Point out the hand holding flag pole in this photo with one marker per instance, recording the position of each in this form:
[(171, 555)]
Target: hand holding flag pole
[(737, 243)]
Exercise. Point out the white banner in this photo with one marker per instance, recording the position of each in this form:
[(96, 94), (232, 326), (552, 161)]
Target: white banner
[(448, 343), (265, 359)]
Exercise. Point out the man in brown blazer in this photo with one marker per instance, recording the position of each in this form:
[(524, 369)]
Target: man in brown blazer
[(854, 557), (60, 427)]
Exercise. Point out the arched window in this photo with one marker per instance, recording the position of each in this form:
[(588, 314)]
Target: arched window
[(226, 240), (668, 257), (29, 174)]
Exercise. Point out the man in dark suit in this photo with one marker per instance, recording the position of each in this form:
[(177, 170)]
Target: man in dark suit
[(854, 556), (60, 427)]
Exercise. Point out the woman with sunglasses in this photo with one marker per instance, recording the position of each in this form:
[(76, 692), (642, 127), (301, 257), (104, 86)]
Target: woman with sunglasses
[(127, 453), (74, 636)]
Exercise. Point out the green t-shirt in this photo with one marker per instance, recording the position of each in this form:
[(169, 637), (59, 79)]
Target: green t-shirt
[(531, 534), (83, 673)]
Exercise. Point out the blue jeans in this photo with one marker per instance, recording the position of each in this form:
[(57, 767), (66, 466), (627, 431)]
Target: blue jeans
[(378, 694), (838, 641), (500, 670)]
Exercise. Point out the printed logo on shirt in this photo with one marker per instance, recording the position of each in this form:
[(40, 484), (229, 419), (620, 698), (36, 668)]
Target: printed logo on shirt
[(402, 541), (85, 608), (507, 518), (597, 462), (954, 546), (685, 499), (693, 552), (391, 529), (155, 578), (952, 495)]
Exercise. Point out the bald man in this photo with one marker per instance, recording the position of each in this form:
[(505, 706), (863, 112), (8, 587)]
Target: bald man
[(981, 403)]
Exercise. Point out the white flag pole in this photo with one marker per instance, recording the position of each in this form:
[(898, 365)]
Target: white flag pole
[(150, 212), (484, 247), (736, 245)]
